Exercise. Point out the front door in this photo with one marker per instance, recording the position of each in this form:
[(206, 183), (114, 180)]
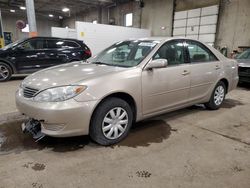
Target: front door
[(166, 88), (30, 55)]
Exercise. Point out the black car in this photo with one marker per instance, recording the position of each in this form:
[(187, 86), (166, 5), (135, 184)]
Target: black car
[(244, 66), (33, 54)]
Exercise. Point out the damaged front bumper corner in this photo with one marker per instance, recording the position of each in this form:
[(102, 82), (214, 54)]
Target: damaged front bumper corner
[(33, 127)]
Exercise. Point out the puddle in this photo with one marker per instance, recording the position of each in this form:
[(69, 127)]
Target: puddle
[(231, 103), (38, 167), (237, 169), (12, 140), (143, 174), (147, 132)]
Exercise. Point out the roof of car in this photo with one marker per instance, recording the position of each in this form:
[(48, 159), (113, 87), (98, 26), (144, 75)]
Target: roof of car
[(40, 37), (161, 39)]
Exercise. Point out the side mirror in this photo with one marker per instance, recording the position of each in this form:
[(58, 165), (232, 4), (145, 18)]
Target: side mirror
[(157, 63)]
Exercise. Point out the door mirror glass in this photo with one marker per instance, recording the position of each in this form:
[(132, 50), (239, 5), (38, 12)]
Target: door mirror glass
[(157, 63)]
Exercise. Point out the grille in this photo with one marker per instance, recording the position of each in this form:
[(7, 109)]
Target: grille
[(244, 69), (29, 92)]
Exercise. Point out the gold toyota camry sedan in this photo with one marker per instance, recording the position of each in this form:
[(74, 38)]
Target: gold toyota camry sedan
[(130, 81)]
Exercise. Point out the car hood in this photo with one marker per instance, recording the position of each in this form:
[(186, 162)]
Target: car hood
[(67, 74), (243, 62)]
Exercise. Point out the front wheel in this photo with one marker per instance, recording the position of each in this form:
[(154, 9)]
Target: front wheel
[(217, 97), (111, 121), (5, 72)]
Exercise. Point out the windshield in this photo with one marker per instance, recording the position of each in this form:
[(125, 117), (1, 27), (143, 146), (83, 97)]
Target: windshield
[(125, 54), (244, 55), (13, 44)]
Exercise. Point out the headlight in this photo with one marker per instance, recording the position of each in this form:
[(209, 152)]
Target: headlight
[(59, 93)]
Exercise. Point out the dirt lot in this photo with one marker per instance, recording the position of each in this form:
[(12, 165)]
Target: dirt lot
[(192, 147)]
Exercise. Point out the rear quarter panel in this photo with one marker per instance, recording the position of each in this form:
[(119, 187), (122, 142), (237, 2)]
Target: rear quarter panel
[(229, 69), (231, 73)]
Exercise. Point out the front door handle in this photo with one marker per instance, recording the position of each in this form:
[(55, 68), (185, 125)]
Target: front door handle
[(185, 72), (217, 67)]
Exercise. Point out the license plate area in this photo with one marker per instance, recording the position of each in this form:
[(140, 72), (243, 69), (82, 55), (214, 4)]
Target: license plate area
[(33, 127)]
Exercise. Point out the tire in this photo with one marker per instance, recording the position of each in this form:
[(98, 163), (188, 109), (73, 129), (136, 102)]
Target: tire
[(5, 72), (105, 127), (217, 97)]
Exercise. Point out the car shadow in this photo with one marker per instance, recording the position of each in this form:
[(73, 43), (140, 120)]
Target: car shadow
[(17, 77), (231, 103), (13, 140), (147, 132)]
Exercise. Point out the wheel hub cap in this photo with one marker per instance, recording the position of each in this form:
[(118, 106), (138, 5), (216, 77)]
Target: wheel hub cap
[(115, 123)]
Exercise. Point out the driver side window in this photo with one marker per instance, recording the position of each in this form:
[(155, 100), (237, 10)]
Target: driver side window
[(173, 51), (34, 45)]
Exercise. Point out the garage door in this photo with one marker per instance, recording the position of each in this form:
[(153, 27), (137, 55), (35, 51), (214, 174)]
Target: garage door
[(197, 23)]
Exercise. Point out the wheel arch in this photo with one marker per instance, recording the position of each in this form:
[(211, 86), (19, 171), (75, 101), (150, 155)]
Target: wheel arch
[(13, 69), (226, 82), (122, 95)]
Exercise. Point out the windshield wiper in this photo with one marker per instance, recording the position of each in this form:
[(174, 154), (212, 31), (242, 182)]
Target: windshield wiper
[(113, 65), (100, 63)]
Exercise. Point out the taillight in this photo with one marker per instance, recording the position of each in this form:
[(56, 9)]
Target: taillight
[(88, 52)]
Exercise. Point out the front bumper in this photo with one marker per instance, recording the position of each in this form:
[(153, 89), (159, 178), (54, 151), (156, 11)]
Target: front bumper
[(244, 74), (59, 119)]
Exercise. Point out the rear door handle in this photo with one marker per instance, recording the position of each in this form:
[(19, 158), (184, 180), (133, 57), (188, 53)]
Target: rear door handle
[(185, 72)]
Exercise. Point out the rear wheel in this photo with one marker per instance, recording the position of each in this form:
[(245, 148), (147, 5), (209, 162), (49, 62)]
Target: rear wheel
[(217, 97), (5, 72), (111, 121)]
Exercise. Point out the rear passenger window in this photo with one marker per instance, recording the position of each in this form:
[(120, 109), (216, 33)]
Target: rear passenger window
[(199, 53), (173, 51), (70, 44), (52, 44)]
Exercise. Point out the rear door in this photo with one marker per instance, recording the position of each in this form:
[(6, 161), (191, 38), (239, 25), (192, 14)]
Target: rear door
[(54, 52), (204, 68), (73, 50), (63, 51)]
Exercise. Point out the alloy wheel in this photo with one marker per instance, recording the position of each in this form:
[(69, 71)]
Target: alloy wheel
[(4, 72), (219, 95)]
